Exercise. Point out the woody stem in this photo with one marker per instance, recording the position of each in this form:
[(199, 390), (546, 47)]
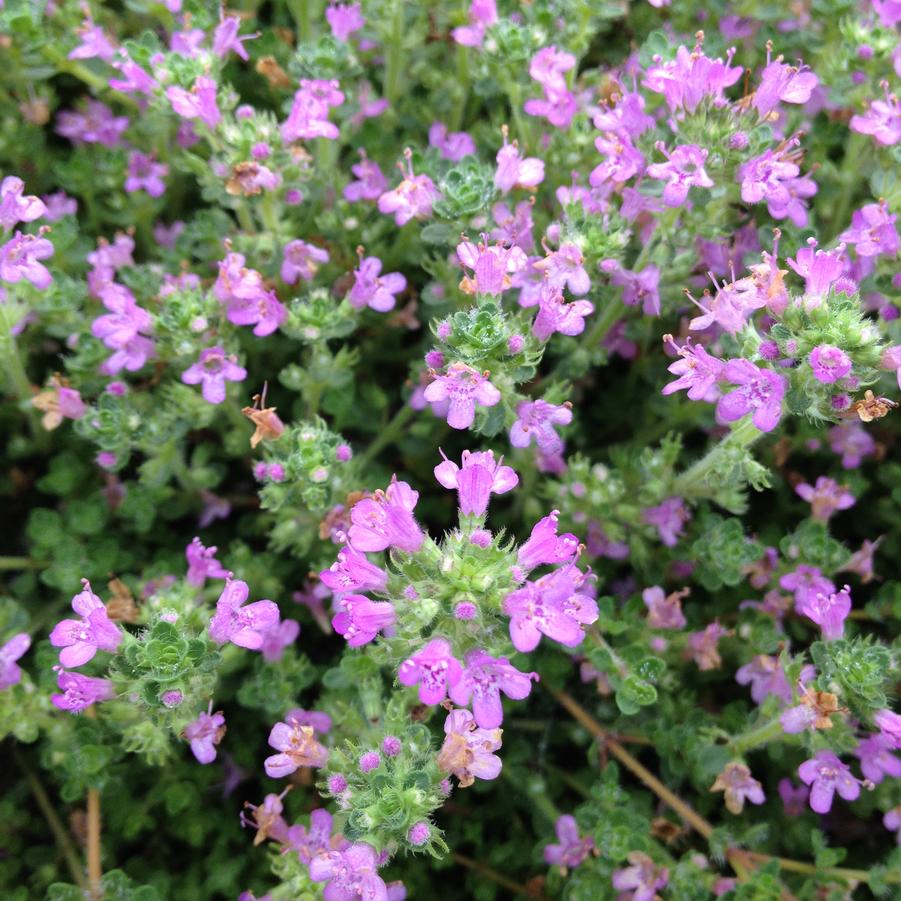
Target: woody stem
[(95, 873), (63, 841), (494, 876), (738, 859)]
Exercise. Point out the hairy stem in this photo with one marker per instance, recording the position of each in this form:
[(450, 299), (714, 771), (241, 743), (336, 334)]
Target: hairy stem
[(696, 480), (388, 434), (754, 738)]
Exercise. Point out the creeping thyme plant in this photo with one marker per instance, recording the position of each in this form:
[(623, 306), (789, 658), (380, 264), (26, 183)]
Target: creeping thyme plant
[(449, 450)]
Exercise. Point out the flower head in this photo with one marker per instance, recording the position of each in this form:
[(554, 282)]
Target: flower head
[(738, 786), (373, 290), (386, 520), (360, 619), (79, 692), (434, 668), (535, 421), (202, 564), (297, 746)]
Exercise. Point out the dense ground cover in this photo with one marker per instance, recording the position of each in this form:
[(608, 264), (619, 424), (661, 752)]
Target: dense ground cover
[(449, 450)]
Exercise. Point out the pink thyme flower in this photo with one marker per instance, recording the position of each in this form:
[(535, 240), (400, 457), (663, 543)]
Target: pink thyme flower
[(297, 746), (476, 479), (570, 850), (79, 692), (820, 269), (301, 260), (829, 363), (638, 287), (806, 582), (535, 421), (825, 498), (353, 572), (482, 15), (80, 639), (484, 678), (759, 394), (464, 388), (828, 611), (144, 174), (553, 606), (350, 873), (371, 182), (226, 40), (267, 820), (738, 786), (555, 315), (703, 646), (876, 759), (794, 798), (205, 733), (318, 839), (373, 290), (826, 775), (434, 668), (627, 115), (882, 120), (621, 161), (308, 117), (212, 370), (134, 79), (202, 564), (515, 171), (243, 626), (697, 371), (20, 259), (514, 227), (386, 520), (10, 672), (95, 125), (344, 19), (683, 169), (321, 722), (641, 880), (668, 518), (544, 545), (780, 82), (412, 198), (18, 207), (889, 725), (766, 677), (93, 42), (691, 78), (664, 610), (563, 268), (872, 231), (198, 103), (278, 637), (59, 205), (467, 752), (451, 145), (493, 267), (892, 821), (359, 620)]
